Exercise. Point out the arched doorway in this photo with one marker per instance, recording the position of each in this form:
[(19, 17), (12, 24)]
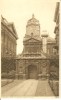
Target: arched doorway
[(32, 72)]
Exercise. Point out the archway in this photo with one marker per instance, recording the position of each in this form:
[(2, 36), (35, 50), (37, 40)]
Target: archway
[(32, 72)]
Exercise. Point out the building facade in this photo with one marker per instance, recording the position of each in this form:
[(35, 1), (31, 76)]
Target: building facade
[(56, 30), (54, 61), (33, 62), (8, 45), (56, 46)]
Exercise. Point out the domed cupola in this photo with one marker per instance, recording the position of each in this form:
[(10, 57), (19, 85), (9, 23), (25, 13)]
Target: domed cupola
[(33, 21), (33, 27)]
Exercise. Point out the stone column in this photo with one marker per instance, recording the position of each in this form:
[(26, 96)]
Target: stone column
[(44, 41), (39, 71), (37, 63)]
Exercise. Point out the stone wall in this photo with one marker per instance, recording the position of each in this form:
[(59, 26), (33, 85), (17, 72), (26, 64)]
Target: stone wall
[(8, 42), (22, 67)]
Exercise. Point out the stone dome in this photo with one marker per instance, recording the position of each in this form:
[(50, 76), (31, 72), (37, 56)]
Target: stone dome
[(51, 40), (33, 27), (33, 20)]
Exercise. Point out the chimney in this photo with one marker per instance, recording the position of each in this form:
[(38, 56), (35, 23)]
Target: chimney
[(44, 41)]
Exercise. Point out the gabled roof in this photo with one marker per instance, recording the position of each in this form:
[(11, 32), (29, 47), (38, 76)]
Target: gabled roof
[(32, 38)]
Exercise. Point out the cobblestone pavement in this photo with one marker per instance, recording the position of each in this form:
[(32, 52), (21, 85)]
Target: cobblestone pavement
[(29, 87)]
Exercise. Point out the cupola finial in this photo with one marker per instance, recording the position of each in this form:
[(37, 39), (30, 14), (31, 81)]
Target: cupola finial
[(32, 15)]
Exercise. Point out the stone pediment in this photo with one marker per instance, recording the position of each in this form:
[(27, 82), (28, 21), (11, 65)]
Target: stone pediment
[(12, 27), (32, 40)]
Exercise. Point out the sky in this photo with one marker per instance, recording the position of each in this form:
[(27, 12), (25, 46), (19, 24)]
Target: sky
[(20, 11)]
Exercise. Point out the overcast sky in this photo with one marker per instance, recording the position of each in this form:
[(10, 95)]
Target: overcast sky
[(20, 11)]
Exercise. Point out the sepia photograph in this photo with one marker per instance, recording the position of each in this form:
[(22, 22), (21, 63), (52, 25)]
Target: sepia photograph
[(29, 48)]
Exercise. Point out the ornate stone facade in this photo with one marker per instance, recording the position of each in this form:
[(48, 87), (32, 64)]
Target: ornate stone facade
[(33, 27), (32, 68), (33, 62)]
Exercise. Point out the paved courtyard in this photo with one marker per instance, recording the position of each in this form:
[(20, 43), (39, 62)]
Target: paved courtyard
[(27, 88)]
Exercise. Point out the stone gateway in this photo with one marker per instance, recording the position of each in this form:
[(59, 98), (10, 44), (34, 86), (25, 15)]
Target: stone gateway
[(32, 68), (33, 62)]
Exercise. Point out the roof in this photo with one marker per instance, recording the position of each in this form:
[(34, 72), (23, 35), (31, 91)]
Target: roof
[(44, 33), (49, 39), (33, 20), (31, 56), (12, 27), (9, 26)]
